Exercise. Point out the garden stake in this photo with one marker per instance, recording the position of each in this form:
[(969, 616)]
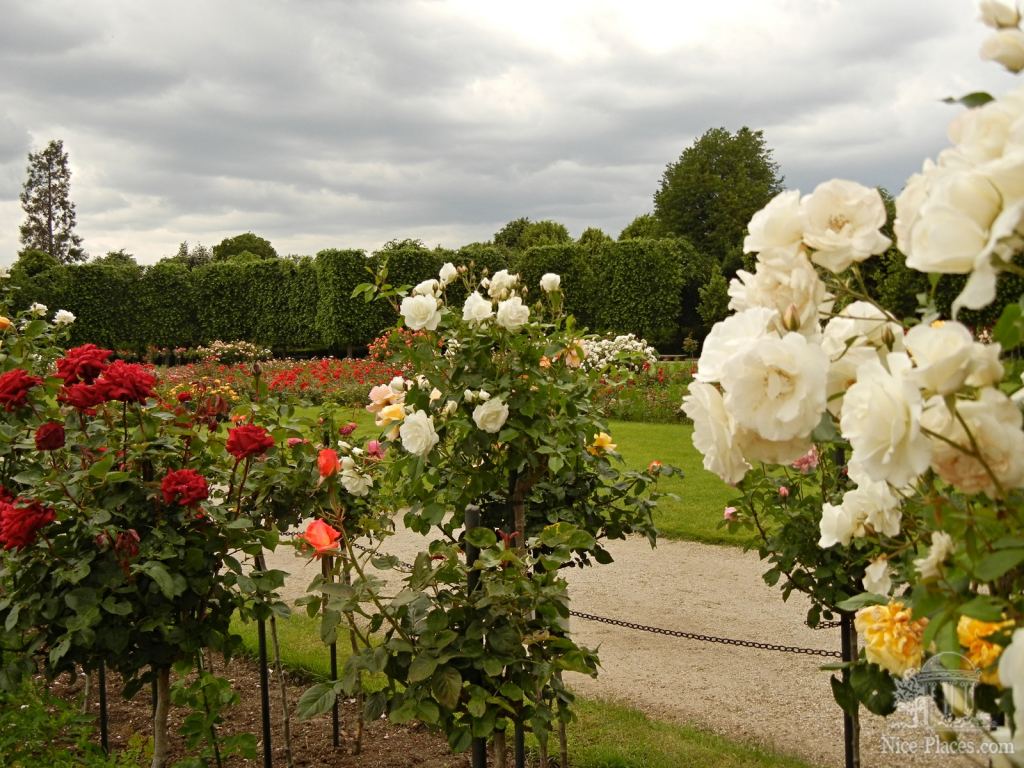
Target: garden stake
[(479, 745), (851, 723), (261, 633), (286, 718), (326, 566), (101, 674), (520, 745)]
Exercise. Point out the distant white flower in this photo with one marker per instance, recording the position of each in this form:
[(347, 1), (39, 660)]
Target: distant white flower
[(483, 395), (550, 282), (777, 225), (356, 483), (399, 384), (501, 284), (449, 408), (477, 309), (512, 313), (435, 394), (491, 415), (427, 288), (38, 309), (841, 222), (877, 578), (447, 273), (63, 317), (714, 433), (469, 396), (421, 312), (417, 433), (930, 566)]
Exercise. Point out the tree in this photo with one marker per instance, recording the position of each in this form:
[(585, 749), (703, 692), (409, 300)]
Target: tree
[(232, 246), (710, 193), (196, 256), (643, 226), (509, 235), (49, 213), (592, 238), (120, 258), (520, 234)]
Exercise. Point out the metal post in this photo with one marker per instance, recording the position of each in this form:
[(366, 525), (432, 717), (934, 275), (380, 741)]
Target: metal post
[(326, 566), (479, 746), (101, 674), (851, 723), (261, 632), (520, 745)]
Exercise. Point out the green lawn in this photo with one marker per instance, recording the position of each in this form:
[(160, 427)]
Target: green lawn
[(702, 495), (605, 735)]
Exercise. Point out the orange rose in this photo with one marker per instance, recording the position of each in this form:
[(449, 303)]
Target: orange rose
[(328, 462), (5, 323), (322, 537)]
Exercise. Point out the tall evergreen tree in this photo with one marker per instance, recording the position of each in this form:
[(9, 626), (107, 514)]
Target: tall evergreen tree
[(49, 213)]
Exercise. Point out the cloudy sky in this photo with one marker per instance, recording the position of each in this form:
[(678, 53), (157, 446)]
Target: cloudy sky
[(349, 123)]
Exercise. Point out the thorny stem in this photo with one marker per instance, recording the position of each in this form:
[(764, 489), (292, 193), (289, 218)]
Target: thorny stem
[(373, 596)]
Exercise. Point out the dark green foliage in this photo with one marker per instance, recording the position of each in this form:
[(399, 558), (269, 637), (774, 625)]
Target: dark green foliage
[(645, 225), (31, 262), (197, 256), (520, 234), (713, 299), (342, 321), (593, 237), (483, 256), (119, 258), (167, 307), (105, 301), (573, 263), (640, 286), (222, 302), (283, 303), (510, 235), (710, 193), (232, 246)]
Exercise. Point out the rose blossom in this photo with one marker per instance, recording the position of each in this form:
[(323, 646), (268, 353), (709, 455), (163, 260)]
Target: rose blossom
[(447, 273), (943, 356), (321, 536), (82, 363), (998, 14), (841, 220), (1005, 46), (327, 462), (869, 504), (82, 396), (421, 312), (63, 317), (714, 432), (777, 388), (550, 282), (347, 429), (389, 414), (777, 225), (877, 578), (248, 440), (1011, 675), (892, 637), (729, 513), (881, 419), (808, 462), (731, 336), (477, 309), (930, 566), (354, 481), (38, 309), (14, 387), (20, 521), (294, 442), (512, 314), (380, 396), (786, 282), (184, 487), (127, 382), (50, 436), (501, 284), (491, 415), (375, 449), (417, 433)]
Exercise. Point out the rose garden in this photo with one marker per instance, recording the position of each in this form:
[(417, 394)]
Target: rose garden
[(437, 497)]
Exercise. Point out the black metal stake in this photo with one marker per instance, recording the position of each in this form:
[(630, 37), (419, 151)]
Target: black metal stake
[(851, 724), (326, 566), (101, 674), (261, 632), (479, 745), (520, 745)]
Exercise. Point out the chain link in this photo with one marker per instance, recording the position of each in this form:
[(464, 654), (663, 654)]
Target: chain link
[(678, 633)]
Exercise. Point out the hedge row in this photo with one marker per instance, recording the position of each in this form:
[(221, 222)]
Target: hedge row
[(648, 287)]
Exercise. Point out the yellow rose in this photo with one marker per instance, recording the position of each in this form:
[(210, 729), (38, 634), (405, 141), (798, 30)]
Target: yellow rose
[(603, 442), (891, 638), (982, 653), (390, 413)]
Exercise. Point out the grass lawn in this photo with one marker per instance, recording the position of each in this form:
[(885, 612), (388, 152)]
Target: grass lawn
[(605, 735), (702, 495)]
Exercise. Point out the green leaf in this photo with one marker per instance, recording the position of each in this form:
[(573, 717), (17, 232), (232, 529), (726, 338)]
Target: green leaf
[(422, 667), (862, 600), (971, 100), (316, 701), (984, 608), (844, 695), (447, 687), (1009, 329), (995, 564), (376, 703), (171, 585), (874, 688), (481, 538), (460, 739)]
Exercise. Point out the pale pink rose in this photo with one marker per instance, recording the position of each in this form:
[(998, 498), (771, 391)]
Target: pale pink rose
[(380, 396)]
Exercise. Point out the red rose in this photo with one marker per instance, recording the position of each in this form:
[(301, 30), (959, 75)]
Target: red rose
[(328, 462), (322, 537), (21, 520), (82, 363), (184, 397), (185, 487), (82, 396), (50, 436), (248, 440), (127, 382), (126, 548), (14, 387)]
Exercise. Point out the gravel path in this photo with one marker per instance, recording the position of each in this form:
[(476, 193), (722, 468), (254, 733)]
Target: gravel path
[(777, 700)]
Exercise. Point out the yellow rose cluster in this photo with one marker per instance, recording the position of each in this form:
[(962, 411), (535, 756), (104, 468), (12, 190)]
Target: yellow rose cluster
[(892, 639), (981, 652)]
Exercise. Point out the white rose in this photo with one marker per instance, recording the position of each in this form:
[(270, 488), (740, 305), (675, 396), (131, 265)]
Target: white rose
[(756, 448), (861, 323), (417, 433), (943, 356), (786, 282), (777, 225), (986, 368), (356, 483), (730, 337), (435, 394), (477, 309), (713, 432), (997, 14), (995, 424), (491, 415), (842, 374), (881, 419), (930, 566), (550, 282), (1005, 46), (426, 288), (981, 134), (869, 504), (63, 317), (777, 388), (501, 284), (397, 384), (38, 309), (838, 525), (449, 408), (482, 395), (841, 220), (447, 273), (469, 396), (877, 578), (512, 314), (421, 312), (1011, 675)]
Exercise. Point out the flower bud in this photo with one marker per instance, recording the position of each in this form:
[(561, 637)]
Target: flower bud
[(791, 318), (888, 337)]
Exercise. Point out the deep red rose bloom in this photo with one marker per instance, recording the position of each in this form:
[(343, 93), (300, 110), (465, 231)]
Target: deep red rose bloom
[(82, 363), (127, 382), (82, 396), (327, 462), (184, 487), (126, 548), (184, 397), (50, 436), (14, 387), (248, 440), (21, 520)]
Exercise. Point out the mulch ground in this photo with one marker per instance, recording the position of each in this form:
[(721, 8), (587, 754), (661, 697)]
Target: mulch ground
[(384, 745)]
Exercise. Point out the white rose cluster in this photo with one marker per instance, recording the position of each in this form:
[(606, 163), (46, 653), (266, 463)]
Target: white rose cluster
[(624, 351)]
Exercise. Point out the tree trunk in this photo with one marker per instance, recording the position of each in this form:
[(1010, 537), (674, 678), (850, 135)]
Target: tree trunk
[(163, 705), (499, 749)]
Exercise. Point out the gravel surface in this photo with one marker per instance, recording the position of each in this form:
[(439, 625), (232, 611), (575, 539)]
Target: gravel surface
[(781, 701)]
